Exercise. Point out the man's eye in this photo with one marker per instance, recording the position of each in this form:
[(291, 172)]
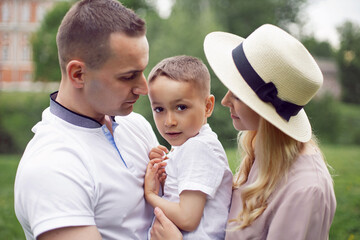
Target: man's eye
[(129, 77), (181, 107), (158, 109)]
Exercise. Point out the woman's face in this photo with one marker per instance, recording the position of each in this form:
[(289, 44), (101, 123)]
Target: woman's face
[(244, 118)]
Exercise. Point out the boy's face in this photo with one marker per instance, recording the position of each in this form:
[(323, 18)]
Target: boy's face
[(179, 109)]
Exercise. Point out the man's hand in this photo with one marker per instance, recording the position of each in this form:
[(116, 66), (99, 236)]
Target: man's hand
[(163, 228)]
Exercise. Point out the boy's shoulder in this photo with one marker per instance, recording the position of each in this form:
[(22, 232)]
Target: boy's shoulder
[(205, 140)]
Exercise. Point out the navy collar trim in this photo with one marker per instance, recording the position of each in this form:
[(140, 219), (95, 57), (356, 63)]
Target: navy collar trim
[(69, 116)]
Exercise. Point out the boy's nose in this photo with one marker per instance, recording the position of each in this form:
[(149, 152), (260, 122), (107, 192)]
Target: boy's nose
[(170, 120)]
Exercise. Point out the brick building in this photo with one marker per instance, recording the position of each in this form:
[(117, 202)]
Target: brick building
[(18, 20)]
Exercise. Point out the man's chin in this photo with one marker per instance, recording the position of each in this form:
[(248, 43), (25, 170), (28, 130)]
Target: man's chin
[(125, 112)]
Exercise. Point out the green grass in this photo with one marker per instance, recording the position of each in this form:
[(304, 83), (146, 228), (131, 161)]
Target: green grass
[(10, 228), (344, 159)]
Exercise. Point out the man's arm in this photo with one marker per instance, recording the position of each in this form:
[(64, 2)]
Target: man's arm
[(72, 233)]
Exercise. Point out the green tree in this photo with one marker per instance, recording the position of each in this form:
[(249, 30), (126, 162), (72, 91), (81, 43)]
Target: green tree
[(318, 48), (243, 17), (348, 59)]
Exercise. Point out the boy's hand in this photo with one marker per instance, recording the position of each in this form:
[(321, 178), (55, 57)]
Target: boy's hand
[(152, 183), (158, 152)]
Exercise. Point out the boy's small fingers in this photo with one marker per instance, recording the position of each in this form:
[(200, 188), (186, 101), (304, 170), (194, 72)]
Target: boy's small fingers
[(163, 148)]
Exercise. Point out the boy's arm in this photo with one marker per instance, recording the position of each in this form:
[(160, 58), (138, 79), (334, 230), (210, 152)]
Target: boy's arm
[(186, 214)]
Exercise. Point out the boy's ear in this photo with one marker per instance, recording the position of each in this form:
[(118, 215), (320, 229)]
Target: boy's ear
[(209, 107), (75, 70)]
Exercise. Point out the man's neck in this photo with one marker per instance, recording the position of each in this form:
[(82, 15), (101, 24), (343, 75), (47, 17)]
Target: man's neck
[(70, 98)]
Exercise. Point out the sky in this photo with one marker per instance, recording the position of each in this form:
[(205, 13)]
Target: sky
[(323, 16), (326, 15)]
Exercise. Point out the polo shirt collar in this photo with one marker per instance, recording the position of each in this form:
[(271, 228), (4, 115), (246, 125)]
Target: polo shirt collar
[(71, 117)]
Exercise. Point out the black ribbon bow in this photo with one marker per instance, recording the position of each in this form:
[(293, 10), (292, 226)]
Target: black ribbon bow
[(267, 92)]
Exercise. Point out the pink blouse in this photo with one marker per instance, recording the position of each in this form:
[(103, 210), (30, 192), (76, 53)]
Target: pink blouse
[(303, 207)]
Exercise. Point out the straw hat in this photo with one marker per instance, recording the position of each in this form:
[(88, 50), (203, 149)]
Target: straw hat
[(271, 72)]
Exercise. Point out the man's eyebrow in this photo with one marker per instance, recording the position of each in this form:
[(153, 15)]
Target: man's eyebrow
[(129, 72)]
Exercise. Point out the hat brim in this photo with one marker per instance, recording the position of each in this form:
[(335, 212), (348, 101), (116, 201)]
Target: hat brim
[(218, 48)]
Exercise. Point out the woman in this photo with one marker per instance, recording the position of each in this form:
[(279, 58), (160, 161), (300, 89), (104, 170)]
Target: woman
[(282, 189)]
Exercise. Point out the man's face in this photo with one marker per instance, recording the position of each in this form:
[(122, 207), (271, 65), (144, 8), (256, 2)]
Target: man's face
[(114, 87)]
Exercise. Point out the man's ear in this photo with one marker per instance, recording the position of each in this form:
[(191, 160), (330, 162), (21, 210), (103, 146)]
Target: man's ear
[(75, 70), (209, 107)]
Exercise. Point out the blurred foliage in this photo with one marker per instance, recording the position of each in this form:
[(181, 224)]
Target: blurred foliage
[(19, 112), (348, 58), (318, 48), (334, 122), (243, 17)]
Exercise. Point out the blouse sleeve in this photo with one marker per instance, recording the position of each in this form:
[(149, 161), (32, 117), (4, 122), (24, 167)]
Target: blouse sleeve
[(302, 215)]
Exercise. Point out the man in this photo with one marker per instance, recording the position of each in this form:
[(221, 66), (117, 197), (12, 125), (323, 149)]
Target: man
[(81, 176)]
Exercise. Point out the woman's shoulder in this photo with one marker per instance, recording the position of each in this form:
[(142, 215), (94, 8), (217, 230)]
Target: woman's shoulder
[(310, 170)]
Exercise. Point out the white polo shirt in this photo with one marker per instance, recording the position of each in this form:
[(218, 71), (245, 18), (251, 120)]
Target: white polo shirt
[(74, 173)]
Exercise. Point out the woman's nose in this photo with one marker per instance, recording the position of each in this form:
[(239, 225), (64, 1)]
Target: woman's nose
[(225, 100)]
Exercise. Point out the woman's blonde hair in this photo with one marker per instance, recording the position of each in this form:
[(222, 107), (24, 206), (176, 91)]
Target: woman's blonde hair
[(275, 153)]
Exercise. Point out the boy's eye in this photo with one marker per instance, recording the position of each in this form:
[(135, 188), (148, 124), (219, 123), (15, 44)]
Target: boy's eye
[(181, 107), (158, 109)]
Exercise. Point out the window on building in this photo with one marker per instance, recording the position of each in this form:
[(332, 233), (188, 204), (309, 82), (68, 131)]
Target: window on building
[(25, 12), (40, 12), (26, 50), (5, 12), (5, 52), (5, 47)]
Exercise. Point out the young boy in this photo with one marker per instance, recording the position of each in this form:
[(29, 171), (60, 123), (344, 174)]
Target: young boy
[(197, 190)]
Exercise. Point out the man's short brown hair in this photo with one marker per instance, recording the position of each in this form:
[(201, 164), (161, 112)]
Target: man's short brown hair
[(184, 68), (85, 31)]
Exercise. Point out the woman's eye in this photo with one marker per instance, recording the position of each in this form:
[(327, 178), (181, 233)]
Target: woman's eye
[(181, 107), (158, 109), (235, 97)]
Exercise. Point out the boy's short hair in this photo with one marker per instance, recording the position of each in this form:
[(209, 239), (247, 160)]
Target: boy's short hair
[(184, 68), (85, 31)]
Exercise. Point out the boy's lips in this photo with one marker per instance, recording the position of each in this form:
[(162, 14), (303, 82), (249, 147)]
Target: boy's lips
[(173, 134)]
